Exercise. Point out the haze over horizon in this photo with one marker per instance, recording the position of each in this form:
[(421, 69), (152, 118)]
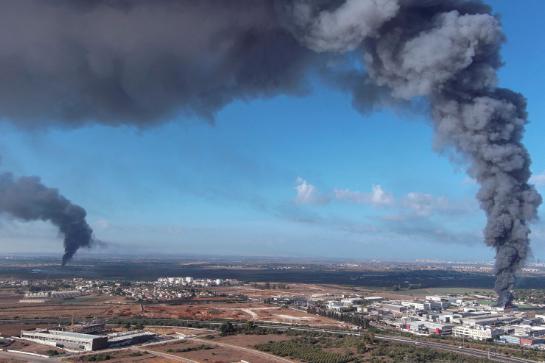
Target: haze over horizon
[(280, 176)]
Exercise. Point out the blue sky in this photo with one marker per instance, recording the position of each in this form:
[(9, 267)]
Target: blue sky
[(289, 176)]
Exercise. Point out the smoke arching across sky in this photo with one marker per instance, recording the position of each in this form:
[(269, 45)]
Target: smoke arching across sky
[(71, 62)]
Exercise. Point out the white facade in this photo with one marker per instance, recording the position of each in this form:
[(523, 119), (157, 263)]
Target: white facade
[(62, 339), (475, 333), (528, 330)]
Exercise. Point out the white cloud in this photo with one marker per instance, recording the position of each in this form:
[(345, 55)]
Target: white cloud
[(423, 204), (416, 203), (380, 197), (306, 192), (377, 196), (538, 179)]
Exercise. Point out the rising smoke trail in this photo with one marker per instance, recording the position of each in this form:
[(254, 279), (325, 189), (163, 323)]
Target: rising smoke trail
[(140, 62), (448, 51), (28, 199)]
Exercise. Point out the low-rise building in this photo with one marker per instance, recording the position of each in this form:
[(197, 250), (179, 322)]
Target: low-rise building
[(528, 330), (63, 339), (129, 338), (476, 333), (510, 339), (373, 299), (396, 308), (96, 327)]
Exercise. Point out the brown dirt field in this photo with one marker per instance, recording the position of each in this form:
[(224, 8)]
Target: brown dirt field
[(14, 329), (199, 312), (9, 299), (216, 355), (241, 311), (2, 360), (32, 347), (79, 308), (308, 291)]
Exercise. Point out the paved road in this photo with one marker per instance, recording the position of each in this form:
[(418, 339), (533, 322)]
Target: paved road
[(255, 352), (20, 357)]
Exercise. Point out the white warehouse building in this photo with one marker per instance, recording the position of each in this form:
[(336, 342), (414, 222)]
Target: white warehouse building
[(68, 340)]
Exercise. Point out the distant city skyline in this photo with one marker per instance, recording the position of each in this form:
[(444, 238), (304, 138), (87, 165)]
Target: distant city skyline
[(301, 176)]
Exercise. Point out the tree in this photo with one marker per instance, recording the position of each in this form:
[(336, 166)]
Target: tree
[(227, 328)]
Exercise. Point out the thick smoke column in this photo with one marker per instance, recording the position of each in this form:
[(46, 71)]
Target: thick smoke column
[(28, 199), (140, 62), (448, 51)]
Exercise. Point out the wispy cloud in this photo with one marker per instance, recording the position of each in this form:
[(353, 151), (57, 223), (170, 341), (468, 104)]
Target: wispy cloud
[(377, 196), (416, 203), (308, 193), (413, 215), (424, 204), (538, 179)]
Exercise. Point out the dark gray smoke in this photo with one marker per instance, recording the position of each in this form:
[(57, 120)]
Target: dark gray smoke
[(28, 199), (140, 62), (447, 51)]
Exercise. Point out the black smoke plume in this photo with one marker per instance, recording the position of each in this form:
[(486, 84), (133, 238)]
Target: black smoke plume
[(140, 62), (28, 199)]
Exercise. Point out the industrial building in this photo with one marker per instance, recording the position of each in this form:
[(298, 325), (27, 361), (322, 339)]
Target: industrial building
[(129, 338), (68, 340), (477, 333), (426, 327), (393, 308), (95, 327), (528, 330), (488, 320)]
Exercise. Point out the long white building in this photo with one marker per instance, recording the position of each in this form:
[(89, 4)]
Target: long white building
[(68, 340)]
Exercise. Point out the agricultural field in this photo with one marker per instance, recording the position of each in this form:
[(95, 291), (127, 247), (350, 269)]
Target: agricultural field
[(121, 356), (212, 351), (330, 349)]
